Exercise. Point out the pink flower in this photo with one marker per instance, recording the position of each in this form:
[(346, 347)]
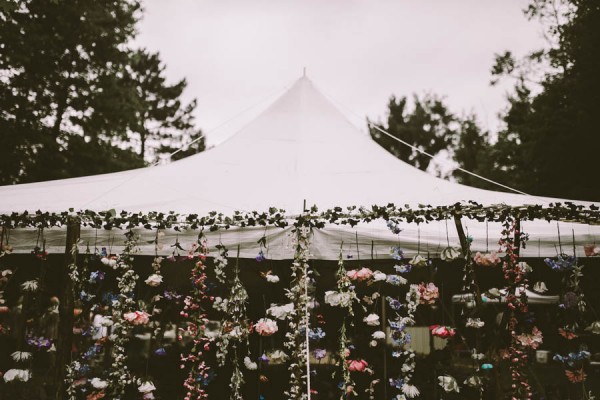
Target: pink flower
[(357, 365), (362, 274), (137, 317), (428, 293), (532, 340), (266, 327), (442, 331), (486, 260)]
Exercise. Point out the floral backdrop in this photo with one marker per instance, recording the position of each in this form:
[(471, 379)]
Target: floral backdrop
[(198, 324)]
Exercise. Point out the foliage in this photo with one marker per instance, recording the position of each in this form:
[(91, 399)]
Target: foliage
[(429, 126), (552, 114), (73, 90)]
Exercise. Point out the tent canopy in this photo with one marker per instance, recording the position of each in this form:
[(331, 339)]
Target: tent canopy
[(301, 148)]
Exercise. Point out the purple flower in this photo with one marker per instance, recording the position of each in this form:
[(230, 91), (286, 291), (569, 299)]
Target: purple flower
[(260, 257), (320, 353), (263, 358), (160, 351), (39, 343)]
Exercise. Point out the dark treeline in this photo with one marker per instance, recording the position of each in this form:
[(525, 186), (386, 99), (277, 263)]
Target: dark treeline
[(550, 137), (77, 98)]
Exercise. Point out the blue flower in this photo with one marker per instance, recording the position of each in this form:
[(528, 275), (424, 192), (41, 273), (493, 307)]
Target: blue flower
[(563, 262), (316, 334), (160, 351), (396, 383), (402, 269), (395, 304), (394, 227), (397, 253), (96, 276)]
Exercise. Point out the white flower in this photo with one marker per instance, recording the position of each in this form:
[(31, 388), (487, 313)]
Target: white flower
[(378, 335), (21, 356), (418, 261), (154, 280), (52, 348), (371, 319), (410, 391), (338, 299), (473, 381), (450, 253), (448, 383), (379, 276), (281, 312), (373, 343), (21, 375), (105, 321), (250, 365), (594, 328), (277, 356), (30, 286), (272, 278), (146, 387), (540, 287), (474, 323), (110, 262), (98, 383), (524, 267)]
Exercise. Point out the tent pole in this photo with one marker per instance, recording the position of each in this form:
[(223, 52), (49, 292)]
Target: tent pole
[(466, 249), (66, 307)]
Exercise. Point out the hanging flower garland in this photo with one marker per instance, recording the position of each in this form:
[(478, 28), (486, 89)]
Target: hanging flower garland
[(235, 328), (572, 312), (220, 263), (344, 298), (401, 339), (198, 375), (298, 320), (523, 336), (125, 316)]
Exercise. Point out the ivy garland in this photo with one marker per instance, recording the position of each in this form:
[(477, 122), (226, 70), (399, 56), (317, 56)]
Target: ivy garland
[(352, 215)]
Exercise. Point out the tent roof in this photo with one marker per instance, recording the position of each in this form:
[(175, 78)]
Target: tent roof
[(300, 148)]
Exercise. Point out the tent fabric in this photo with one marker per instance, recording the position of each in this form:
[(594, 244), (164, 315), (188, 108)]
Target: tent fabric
[(300, 149)]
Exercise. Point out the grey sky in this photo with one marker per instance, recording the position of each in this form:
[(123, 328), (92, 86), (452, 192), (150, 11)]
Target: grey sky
[(236, 54)]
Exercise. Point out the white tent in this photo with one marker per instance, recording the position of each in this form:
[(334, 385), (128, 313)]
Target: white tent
[(301, 148)]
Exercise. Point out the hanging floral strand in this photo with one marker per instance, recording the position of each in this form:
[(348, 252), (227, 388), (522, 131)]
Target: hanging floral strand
[(235, 328), (344, 298), (401, 340), (523, 338), (298, 318), (125, 316), (198, 376)]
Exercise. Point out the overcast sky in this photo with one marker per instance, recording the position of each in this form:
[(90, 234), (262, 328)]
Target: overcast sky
[(239, 54)]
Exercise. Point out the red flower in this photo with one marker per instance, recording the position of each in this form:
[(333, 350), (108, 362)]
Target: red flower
[(357, 365), (442, 331)]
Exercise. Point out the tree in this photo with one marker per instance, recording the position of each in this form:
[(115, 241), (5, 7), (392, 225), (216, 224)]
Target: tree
[(429, 126), (555, 131), (72, 88), (161, 120)]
